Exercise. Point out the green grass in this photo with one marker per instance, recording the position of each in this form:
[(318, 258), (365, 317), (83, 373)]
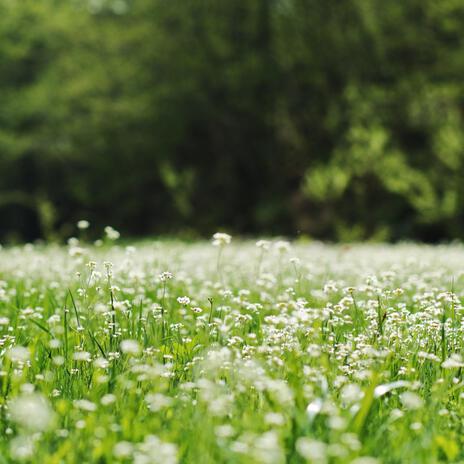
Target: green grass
[(271, 354)]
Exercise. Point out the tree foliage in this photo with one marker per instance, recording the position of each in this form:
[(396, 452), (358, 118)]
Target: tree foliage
[(341, 120)]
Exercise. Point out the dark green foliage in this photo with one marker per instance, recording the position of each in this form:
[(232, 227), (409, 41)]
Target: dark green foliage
[(341, 120)]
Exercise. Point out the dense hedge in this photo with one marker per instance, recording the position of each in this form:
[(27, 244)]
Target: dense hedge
[(340, 120)]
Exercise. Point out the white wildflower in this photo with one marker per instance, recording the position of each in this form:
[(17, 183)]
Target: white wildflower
[(123, 449), (111, 234), (83, 224), (314, 408), (221, 239), (411, 400), (130, 347), (282, 246), (19, 354), (183, 300), (85, 405), (22, 448), (313, 450), (455, 361), (263, 244), (31, 411), (83, 356), (154, 451), (166, 275), (108, 399)]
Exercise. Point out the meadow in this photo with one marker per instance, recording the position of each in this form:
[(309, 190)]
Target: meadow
[(231, 352)]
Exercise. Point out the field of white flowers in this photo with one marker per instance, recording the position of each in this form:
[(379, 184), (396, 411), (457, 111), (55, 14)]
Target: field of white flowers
[(231, 352)]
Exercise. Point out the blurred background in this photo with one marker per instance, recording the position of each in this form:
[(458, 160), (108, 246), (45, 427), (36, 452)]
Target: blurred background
[(337, 120)]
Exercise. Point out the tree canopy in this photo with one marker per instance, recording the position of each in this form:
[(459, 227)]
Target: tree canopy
[(339, 120)]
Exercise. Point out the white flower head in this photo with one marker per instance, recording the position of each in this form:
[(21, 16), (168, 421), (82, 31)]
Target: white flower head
[(77, 251), (101, 363), (83, 224), (166, 275), (221, 239), (453, 362), (263, 244), (312, 450), (19, 354), (282, 246), (22, 448), (108, 399), (84, 356), (314, 408), (31, 411), (183, 300), (130, 347), (85, 405), (411, 400), (123, 449), (111, 233), (351, 393), (154, 451)]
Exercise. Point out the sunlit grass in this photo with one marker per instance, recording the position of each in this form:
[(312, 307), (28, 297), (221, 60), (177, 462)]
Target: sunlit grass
[(236, 353)]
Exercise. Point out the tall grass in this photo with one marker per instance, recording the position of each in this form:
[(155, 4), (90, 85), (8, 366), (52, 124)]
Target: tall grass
[(165, 352)]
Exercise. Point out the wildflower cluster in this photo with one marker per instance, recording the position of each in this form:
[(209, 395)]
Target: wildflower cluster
[(276, 352)]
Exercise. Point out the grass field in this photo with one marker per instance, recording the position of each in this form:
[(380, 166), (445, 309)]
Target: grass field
[(164, 352)]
